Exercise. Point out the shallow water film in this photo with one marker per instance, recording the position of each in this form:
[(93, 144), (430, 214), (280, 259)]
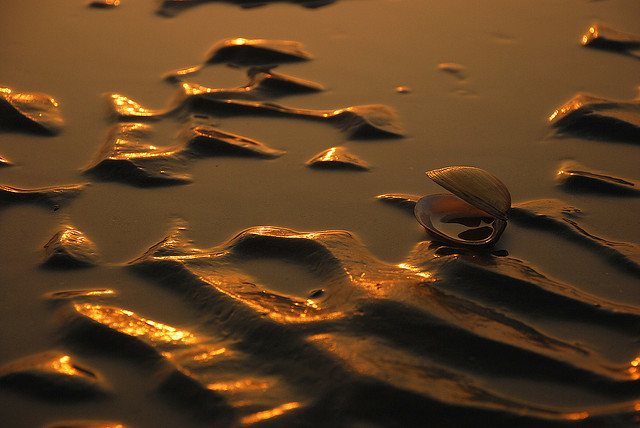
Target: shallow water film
[(210, 216)]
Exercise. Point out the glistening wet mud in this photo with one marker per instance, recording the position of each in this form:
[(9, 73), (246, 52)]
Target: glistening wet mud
[(204, 250)]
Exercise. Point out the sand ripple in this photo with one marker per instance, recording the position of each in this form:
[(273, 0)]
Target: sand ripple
[(31, 112), (427, 332), (589, 116)]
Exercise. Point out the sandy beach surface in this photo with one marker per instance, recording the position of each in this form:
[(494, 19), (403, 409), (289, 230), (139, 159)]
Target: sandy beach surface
[(170, 258)]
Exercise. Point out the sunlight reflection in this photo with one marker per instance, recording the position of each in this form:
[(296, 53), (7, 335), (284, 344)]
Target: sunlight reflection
[(129, 107), (634, 370), (577, 416), (415, 270), (243, 384), (63, 365), (206, 356), (71, 234), (128, 323), (268, 414), (590, 35), (329, 155), (277, 307), (238, 41), (572, 105), (312, 304)]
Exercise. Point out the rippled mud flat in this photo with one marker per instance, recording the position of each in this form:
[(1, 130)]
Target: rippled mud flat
[(209, 214)]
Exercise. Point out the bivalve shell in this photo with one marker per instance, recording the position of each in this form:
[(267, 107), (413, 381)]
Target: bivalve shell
[(474, 215), (477, 187)]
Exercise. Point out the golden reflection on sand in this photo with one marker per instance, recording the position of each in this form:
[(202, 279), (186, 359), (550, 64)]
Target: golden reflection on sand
[(242, 384), (239, 41), (416, 271), (69, 294), (26, 98), (70, 246), (328, 155), (63, 365), (128, 323), (279, 308), (592, 33), (84, 424), (337, 156), (27, 109), (577, 416), (571, 105), (634, 370), (207, 356), (73, 235), (268, 414), (128, 107)]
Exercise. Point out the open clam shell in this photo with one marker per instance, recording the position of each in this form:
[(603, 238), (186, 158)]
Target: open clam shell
[(475, 215)]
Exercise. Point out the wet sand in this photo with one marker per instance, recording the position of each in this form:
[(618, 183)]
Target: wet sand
[(435, 334)]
